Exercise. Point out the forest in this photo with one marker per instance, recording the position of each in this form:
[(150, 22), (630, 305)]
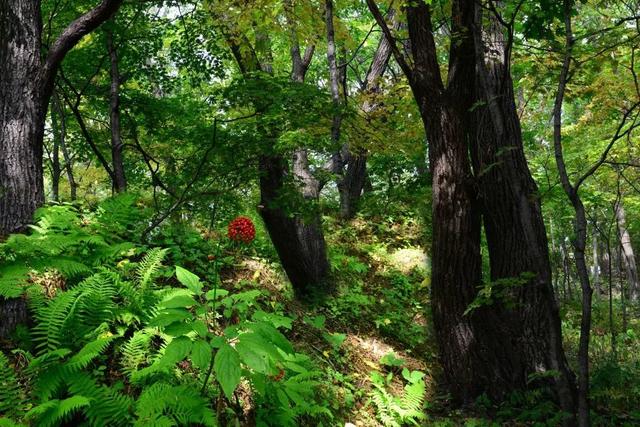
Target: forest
[(319, 213)]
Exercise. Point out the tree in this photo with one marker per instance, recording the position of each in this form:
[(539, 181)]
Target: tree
[(27, 85), (494, 349), (298, 239)]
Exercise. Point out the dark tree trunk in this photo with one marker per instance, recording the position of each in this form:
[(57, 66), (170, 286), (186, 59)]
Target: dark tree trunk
[(298, 240), (22, 114), (513, 220), (25, 89), (26, 83), (117, 161), (352, 184), (476, 350)]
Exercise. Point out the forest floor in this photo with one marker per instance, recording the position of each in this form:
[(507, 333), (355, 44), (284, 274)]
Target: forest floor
[(379, 321), (364, 356)]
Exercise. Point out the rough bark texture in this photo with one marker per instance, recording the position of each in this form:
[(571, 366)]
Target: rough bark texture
[(117, 161), (495, 348), (513, 220), (298, 240), (26, 83), (21, 115)]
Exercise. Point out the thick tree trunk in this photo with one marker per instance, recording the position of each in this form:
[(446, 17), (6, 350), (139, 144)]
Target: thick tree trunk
[(493, 349), (26, 83), (628, 255), (477, 351), (21, 116), (298, 240), (513, 220), (117, 161), (21, 131)]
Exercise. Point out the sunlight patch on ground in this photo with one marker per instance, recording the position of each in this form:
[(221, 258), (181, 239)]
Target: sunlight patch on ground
[(408, 259)]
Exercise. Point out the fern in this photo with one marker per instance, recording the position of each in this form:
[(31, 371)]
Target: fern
[(108, 407), (11, 393), (55, 411), (149, 266), (183, 405), (136, 351), (394, 411)]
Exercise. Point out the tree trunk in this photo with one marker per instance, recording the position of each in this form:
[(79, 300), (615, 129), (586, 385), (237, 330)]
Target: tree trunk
[(117, 162), (628, 255), (494, 349), (26, 84), (513, 220), (595, 268), (56, 169), (21, 116), (299, 241), (579, 224)]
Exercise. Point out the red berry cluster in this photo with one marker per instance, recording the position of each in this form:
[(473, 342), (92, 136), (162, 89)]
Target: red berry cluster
[(241, 229)]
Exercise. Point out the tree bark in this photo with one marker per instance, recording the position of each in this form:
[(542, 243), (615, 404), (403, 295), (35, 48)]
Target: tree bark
[(22, 115), (25, 89), (299, 241), (628, 255), (26, 85), (580, 227), (117, 161), (477, 353)]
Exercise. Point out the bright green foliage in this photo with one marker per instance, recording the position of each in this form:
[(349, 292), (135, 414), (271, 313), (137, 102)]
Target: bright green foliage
[(394, 410)]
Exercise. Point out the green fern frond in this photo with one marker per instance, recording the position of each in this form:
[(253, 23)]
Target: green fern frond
[(135, 352), (183, 404), (54, 411), (108, 407), (11, 394), (90, 351), (149, 266)]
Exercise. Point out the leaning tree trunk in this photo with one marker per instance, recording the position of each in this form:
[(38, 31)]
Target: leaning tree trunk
[(298, 240), (516, 236)]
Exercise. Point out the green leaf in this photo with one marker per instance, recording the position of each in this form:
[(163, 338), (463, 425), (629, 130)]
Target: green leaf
[(189, 280), (179, 301), (226, 365), (201, 354), (216, 293), (177, 350), (335, 340), (275, 319)]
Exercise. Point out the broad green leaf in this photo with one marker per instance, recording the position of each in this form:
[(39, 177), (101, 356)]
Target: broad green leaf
[(189, 280), (226, 365), (201, 354), (177, 350)]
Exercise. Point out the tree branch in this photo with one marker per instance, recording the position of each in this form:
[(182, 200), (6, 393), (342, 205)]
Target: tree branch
[(72, 35)]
